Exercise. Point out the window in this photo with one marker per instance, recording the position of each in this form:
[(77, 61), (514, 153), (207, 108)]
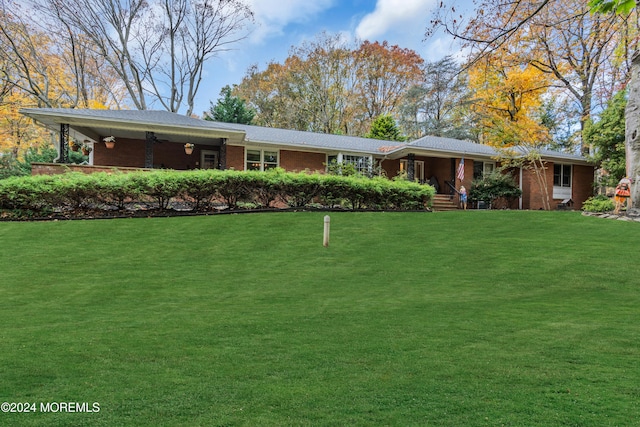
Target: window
[(481, 169), (362, 164), (418, 169), (561, 175), (261, 160)]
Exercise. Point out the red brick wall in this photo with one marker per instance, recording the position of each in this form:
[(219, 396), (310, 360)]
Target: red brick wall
[(57, 168), (172, 156), (298, 161), (127, 152), (583, 178), (440, 168), (533, 197), (131, 153), (235, 157), (581, 183), (391, 167)]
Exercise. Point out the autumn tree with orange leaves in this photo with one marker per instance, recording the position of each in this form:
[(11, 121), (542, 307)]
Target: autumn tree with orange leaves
[(384, 74), (327, 86)]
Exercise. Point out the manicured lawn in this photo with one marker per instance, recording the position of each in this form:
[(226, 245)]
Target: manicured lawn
[(455, 319)]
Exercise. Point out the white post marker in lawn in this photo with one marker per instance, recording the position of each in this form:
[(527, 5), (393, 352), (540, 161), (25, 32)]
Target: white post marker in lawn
[(325, 240)]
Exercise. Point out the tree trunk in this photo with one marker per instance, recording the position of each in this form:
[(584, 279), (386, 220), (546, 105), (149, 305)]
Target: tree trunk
[(632, 134)]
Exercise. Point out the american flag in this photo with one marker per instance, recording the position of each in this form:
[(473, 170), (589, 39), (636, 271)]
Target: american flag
[(460, 173)]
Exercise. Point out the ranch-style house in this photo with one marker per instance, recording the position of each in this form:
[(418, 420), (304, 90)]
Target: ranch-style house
[(160, 139)]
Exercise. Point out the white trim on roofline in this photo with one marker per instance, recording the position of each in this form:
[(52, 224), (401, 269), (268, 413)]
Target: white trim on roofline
[(237, 134)]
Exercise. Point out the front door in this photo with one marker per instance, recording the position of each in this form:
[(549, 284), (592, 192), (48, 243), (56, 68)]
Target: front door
[(418, 169), (209, 159)]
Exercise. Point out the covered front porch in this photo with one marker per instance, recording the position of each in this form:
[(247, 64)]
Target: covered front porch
[(139, 139)]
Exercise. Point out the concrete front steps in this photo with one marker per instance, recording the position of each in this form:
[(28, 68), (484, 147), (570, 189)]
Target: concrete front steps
[(443, 202)]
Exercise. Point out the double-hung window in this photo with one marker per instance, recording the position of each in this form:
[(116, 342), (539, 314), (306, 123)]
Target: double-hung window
[(561, 175), (260, 160), (561, 181)]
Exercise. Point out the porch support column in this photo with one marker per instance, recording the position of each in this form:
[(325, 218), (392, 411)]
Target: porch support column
[(64, 143), (148, 149), (222, 158), (411, 167)]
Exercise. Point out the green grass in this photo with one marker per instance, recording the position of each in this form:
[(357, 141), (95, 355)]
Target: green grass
[(447, 319)]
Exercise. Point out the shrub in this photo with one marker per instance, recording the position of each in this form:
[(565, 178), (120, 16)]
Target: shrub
[(265, 187), (116, 189), (496, 188), (73, 189), (299, 189), (233, 187), (35, 195), (161, 186), (28, 193), (200, 188), (599, 203)]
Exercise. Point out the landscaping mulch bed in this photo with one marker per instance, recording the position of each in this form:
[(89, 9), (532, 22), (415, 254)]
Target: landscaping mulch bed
[(151, 210)]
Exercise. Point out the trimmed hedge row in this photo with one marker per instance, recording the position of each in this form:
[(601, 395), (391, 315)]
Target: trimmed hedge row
[(201, 190)]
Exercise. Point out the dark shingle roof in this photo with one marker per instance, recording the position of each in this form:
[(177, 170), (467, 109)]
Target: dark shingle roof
[(312, 139), (437, 143), (281, 137)]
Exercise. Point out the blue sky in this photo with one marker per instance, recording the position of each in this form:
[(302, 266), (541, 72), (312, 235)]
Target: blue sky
[(281, 24)]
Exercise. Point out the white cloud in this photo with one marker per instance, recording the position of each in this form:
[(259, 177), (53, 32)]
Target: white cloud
[(442, 46), (394, 16), (272, 16)]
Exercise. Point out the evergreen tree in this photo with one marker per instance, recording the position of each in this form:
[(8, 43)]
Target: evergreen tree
[(384, 127), (230, 109)]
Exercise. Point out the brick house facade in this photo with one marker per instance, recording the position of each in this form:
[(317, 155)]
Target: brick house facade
[(156, 139)]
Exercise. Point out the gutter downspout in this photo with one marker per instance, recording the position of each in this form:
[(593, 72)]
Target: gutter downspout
[(521, 192)]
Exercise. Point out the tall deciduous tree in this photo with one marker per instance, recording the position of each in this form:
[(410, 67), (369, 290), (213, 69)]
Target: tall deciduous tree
[(625, 38), (321, 74), (439, 105), (575, 47), (632, 110), (40, 68), (33, 62), (310, 91), (384, 74), (326, 86), (158, 48), (508, 101), (562, 38)]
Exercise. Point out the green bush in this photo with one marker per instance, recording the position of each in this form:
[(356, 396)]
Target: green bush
[(200, 188), (77, 191), (28, 193), (116, 189), (234, 187), (299, 189), (160, 186), (496, 188), (599, 203), (265, 187)]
